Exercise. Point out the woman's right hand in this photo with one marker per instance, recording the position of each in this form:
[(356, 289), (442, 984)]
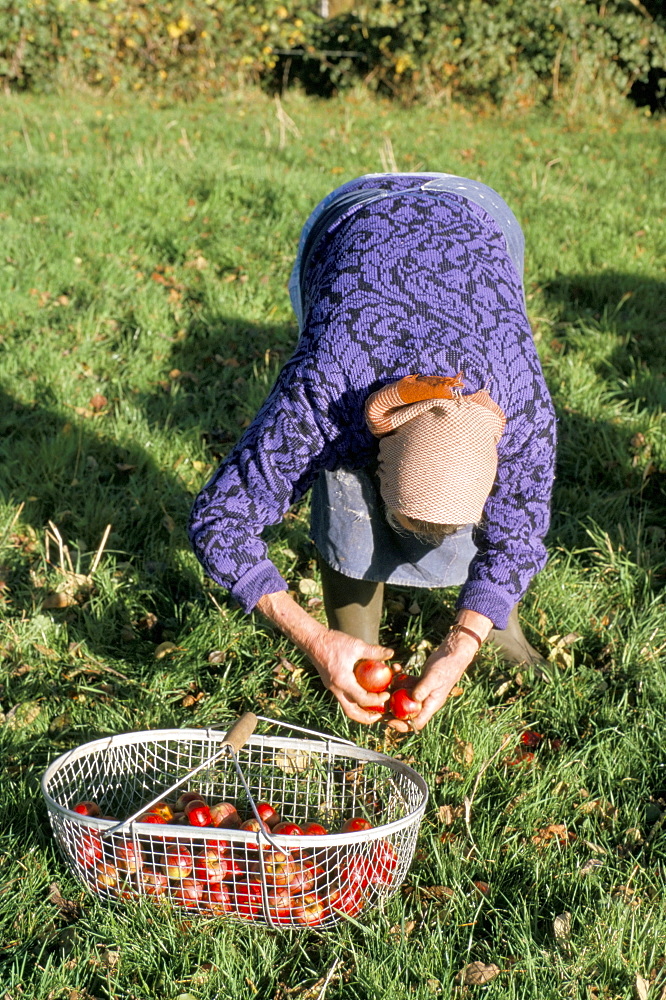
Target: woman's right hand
[(335, 654)]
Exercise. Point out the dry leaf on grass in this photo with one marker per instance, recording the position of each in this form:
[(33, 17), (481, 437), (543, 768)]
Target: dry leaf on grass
[(553, 833), (477, 973), (562, 926), (430, 893), (57, 601), (464, 752), (308, 587), (24, 715), (164, 649), (402, 930), (292, 761), (641, 988), (67, 908), (447, 814), (598, 807)]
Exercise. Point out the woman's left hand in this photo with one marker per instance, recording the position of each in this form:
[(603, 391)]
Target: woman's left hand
[(443, 669)]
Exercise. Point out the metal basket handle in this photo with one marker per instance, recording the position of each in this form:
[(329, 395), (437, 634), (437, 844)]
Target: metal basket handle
[(234, 740)]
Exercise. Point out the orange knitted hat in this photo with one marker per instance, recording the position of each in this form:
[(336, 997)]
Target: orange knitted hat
[(437, 449)]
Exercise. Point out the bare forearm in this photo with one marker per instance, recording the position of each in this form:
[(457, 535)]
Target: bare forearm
[(303, 630), (332, 653)]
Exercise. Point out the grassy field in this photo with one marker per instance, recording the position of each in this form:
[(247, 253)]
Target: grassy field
[(144, 315)]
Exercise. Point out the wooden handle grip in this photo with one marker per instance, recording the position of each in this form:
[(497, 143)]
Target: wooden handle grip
[(241, 731)]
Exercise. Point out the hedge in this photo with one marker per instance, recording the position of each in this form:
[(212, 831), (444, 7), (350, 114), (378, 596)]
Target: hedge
[(501, 49)]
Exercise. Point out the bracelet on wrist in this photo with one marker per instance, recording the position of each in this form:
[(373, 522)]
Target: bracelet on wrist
[(457, 627)]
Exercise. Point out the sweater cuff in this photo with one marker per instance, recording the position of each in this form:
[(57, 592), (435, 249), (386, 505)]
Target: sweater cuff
[(487, 599), (259, 580)]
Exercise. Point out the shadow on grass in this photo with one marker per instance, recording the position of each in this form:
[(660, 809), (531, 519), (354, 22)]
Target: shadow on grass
[(633, 307), (605, 471), (82, 474)]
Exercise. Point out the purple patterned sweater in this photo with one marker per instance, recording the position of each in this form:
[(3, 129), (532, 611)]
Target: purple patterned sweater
[(410, 284)]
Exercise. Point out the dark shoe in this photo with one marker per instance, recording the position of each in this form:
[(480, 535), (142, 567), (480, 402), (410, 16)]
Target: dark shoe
[(512, 644)]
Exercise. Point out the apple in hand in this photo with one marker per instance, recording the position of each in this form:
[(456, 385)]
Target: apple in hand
[(373, 675), (403, 706)]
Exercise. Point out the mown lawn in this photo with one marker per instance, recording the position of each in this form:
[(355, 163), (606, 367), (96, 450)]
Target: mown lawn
[(144, 315)]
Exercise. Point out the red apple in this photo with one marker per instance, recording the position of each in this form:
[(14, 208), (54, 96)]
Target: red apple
[(153, 882), (255, 826), (128, 857), (310, 910), (356, 823), (279, 867), (349, 900), (355, 872), (225, 814), (287, 829), (188, 893), (235, 870), (163, 809), (106, 874), (383, 864), (177, 862), (268, 814), (88, 848), (403, 706), (248, 899), (150, 817), (280, 904), (313, 830), (218, 898), (209, 866), (87, 809), (402, 680), (186, 797), (373, 675), (198, 813)]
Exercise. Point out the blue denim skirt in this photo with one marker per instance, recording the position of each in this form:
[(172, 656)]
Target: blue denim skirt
[(348, 524)]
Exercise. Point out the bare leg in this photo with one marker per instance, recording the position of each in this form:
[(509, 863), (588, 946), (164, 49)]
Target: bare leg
[(352, 606)]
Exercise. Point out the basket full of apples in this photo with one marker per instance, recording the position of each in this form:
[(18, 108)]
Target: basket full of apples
[(280, 831)]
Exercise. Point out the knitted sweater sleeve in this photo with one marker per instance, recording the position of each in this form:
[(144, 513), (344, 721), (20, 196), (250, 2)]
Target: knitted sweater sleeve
[(272, 465), (510, 539)]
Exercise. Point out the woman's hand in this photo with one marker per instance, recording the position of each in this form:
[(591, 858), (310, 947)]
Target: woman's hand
[(332, 653), (444, 668)]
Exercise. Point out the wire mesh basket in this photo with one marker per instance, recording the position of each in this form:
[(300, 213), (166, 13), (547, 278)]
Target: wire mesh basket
[(255, 875)]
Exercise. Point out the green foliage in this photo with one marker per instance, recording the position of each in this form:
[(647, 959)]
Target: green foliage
[(501, 49)]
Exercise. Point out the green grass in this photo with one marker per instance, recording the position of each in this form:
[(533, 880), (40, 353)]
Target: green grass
[(145, 257)]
